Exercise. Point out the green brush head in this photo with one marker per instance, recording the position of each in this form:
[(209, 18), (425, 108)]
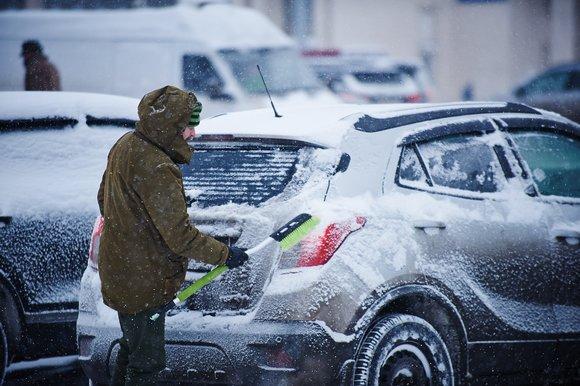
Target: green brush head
[(298, 234)]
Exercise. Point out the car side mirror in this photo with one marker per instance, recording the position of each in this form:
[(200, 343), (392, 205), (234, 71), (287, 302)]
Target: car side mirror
[(342, 163)]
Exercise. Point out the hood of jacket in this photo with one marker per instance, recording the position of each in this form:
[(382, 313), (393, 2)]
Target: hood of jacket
[(163, 114)]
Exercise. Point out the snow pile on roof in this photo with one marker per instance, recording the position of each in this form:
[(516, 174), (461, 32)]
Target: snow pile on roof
[(319, 125), (322, 125), (213, 25), (38, 104)]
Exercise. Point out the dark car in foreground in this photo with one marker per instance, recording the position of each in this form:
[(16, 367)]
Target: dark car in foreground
[(447, 250), (53, 149), (556, 89)]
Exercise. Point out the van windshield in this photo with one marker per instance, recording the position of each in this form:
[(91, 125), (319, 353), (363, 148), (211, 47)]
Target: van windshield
[(284, 70)]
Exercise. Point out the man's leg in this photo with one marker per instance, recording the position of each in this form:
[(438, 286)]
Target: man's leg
[(120, 371), (146, 343)]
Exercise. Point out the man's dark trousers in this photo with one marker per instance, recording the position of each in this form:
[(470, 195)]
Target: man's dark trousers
[(142, 350)]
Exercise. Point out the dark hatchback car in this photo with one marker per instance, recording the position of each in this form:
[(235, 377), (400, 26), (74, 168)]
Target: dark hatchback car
[(557, 89), (53, 147), (447, 251)]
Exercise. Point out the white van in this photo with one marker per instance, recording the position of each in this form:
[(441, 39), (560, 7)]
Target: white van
[(209, 48)]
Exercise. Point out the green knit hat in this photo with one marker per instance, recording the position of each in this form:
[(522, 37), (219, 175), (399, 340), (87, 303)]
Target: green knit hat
[(194, 119)]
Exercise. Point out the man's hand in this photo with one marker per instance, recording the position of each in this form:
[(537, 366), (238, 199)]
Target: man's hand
[(236, 258)]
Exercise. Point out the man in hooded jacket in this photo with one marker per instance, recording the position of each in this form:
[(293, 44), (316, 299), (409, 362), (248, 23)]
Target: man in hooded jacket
[(41, 74), (147, 237)]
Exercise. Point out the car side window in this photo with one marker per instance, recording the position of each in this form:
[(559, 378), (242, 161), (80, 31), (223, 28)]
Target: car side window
[(553, 160), (464, 163), (410, 171), (199, 75)]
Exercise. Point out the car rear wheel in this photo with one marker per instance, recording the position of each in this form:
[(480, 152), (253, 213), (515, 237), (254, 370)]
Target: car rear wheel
[(403, 350)]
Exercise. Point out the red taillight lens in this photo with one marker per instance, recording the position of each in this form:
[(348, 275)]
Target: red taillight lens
[(318, 250), (414, 98), (95, 241)]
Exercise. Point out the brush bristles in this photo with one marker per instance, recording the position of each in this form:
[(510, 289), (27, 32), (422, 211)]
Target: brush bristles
[(298, 234)]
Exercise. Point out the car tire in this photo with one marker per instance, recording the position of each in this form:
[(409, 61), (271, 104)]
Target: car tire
[(403, 350), (3, 353)]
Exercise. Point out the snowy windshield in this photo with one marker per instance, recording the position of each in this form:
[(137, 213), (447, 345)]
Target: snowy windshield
[(283, 69)]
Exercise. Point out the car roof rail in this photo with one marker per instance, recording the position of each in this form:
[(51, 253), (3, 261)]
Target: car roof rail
[(31, 124), (119, 122), (370, 124)]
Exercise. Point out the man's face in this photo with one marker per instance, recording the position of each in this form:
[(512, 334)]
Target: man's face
[(188, 133)]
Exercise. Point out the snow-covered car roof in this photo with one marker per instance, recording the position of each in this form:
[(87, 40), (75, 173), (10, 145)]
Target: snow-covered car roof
[(47, 104), (57, 170), (210, 25), (326, 126)]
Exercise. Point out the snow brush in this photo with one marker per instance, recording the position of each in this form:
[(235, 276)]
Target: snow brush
[(287, 236)]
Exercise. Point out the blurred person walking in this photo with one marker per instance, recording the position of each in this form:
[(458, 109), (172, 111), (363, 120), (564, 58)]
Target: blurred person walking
[(147, 238), (41, 75)]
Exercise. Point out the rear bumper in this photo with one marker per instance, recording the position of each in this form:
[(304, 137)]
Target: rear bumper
[(258, 352)]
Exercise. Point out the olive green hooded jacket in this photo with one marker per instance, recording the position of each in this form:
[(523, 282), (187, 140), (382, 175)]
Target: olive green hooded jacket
[(148, 238)]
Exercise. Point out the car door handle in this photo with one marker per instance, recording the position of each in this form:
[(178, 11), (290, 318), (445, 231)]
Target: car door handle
[(429, 224), (571, 236), (5, 221)]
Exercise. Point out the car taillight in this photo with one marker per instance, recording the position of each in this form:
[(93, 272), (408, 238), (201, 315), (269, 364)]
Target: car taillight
[(318, 249), (95, 241), (413, 98)]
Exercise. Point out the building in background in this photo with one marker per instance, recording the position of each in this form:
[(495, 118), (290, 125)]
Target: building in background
[(488, 46)]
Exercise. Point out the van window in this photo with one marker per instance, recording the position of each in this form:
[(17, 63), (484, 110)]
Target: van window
[(284, 70), (199, 75)]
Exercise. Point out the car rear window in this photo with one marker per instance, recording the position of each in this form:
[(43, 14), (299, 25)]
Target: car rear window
[(379, 77), (246, 174)]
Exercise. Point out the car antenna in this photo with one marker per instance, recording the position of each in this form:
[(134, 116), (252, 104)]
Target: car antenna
[(268, 92)]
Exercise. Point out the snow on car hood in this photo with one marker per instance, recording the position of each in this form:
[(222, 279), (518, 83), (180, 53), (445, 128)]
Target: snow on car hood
[(53, 170), (57, 170)]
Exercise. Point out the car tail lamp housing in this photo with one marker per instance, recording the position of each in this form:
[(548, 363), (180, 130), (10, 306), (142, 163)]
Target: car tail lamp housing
[(318, 249), (414, 98), (95, 242)]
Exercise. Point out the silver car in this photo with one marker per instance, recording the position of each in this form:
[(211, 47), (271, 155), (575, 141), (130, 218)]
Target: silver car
[(557, 89), (447, 250)]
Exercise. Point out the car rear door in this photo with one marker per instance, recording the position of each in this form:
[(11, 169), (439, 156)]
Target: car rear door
[(489, 245)]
